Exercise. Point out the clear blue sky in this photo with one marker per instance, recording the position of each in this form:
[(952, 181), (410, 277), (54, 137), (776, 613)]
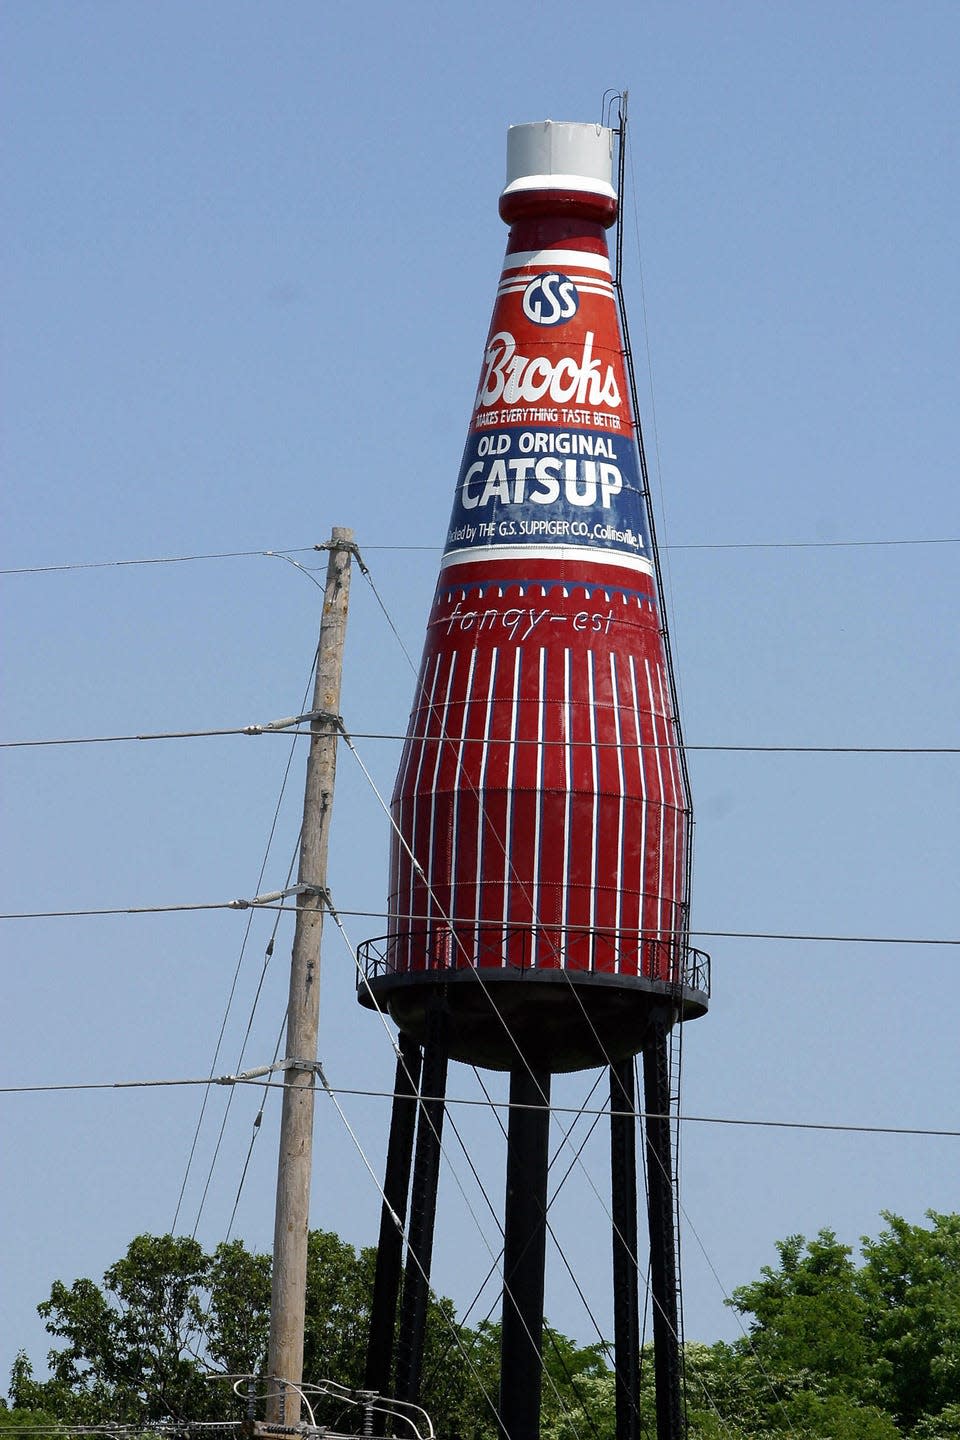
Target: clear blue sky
[(250, 255)]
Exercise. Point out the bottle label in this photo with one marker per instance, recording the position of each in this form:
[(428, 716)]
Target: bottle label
[(550, 468)]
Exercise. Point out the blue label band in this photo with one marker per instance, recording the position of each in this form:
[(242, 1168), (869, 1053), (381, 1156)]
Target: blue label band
[(518, 486)]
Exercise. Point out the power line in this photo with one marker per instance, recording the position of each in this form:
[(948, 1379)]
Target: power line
[(277, 727), (154, 735), (149, 560), (131, 910), (806, 544), (823, 939), (287, 726), (434, 549), (259, 1077), (734, 934), (826, 749), (274, 900)]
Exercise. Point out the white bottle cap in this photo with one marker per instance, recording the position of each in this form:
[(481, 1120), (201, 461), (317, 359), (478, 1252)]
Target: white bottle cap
[(560, 155)]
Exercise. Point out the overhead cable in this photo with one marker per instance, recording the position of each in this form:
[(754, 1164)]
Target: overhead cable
[(149, 560), (277, 726), (260, 1075), (289, 727), (433, 549), (273, 900)]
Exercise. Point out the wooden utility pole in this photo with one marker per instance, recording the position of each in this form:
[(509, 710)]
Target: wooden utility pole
[(288, 1299)]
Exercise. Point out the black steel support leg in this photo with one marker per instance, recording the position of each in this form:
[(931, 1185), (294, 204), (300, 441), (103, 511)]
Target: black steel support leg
[(525, 1237), (626, 1302), (393, 1215), (423, 1211), (668, 1375)]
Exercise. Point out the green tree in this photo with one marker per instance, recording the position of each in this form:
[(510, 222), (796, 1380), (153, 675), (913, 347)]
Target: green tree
[(20, 1417), (460, 1374), (910, 1284), (339, 1286), (130, 1345), (734, 1396), (462, 1382), (238, 1324), (578, 1390), (147, 1344), (945, 1426), (808, 1313), (847, 1349), (834, 1352)]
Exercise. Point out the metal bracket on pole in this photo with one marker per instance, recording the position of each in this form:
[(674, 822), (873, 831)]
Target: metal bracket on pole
[(271, 897), (350, 546), (289, 722), (302, 1066)]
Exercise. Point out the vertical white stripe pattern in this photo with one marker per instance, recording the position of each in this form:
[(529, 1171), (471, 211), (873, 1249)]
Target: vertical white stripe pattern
[(594, 877), (442, 739), (568, 784), (411, 831), (660, 807), (675, 798), (643, 788), (538, 810), (508, 868), (481, 796), (621, 807), (455, 821)]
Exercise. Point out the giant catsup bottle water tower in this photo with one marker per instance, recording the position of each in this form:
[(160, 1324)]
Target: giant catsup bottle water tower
[(539, 880)]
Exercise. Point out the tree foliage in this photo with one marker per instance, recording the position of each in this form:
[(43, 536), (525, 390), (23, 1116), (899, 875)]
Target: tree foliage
[(878, 1340), (832, 1350), (149, 1342), (911, 1286)]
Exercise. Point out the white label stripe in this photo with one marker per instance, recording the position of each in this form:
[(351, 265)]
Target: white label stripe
[(558, 553), (553, 259), (586, 285)]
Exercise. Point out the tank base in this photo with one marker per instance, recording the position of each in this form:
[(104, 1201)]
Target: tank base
[(557, 1020)]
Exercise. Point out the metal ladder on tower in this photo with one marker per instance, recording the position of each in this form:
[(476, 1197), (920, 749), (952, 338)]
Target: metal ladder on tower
[(674, 1071)]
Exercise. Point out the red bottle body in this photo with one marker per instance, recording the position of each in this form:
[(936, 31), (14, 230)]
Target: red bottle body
[(541, 811)]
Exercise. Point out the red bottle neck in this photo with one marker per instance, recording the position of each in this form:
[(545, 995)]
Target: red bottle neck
[(558, 208)]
